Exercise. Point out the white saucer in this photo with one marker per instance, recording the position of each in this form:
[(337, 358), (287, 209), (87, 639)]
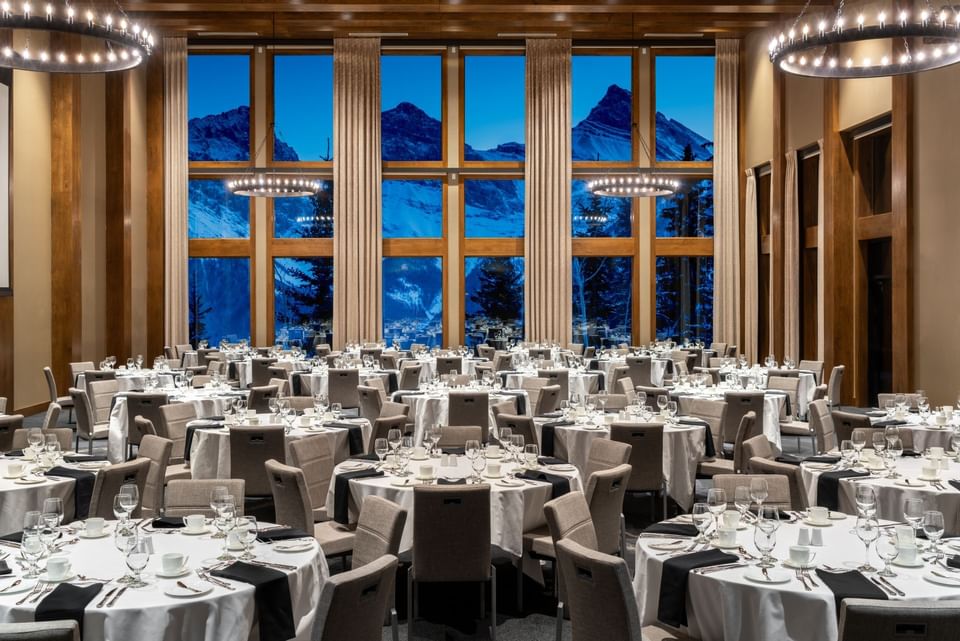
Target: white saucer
[(907, 483), (497, 456), (292, 547), (593, 428), (92, 465), (489, 476), (797, 566), (836, 516), (426, 479), (942, 580), (928, 478), (30, 480), (355, 466), (25, 586), (817, 523), (508, 482), (402, 481), (182, 593), (562, 467), (184, 571), (83, 534), (916, 564), (419, 458), (820, 466), (69, 577), (11, 477), (190, 532), (776, 576), (733, 546)]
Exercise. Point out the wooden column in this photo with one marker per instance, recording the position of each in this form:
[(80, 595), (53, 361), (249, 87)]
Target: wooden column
[(65, 286), (6, 300), (901, 155), (777, 168), (118, 197), (155, 221)]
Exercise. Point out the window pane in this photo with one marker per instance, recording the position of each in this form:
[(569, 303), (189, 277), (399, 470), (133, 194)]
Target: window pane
[(218, 107), (684, 94), (303, 107), (493, 208), (412, 209), (213, 212), (219, 299), (602, 300), (688, 212), (685, 297), (493, 298), (599, 216), (413, 300), (305, 217), (602, 108), (494, 106), (303, 299), (410, 108)]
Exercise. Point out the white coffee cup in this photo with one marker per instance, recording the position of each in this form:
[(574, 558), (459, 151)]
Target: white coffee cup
[(195, 522), (907, 554), (426, 471), (309, 411), (172, 562), (58, 567), (726, 537), (930, 470), (940, 419), (305, 421), (818, 514), (493, 451), (801, 555), (251, 413), (419, 452), (731, 519), (253, 420), (94, 526), (493, 469), (15, 469)]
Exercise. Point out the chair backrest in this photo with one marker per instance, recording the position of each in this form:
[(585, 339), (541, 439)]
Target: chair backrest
[(290, 495), (486, 351), (383, 425), (912, 399), (451, 533), (250, 448), (60, 630), (111, 479), (312, 455), (522, 425), (599, 594), (778, 487), (282, 383), (814, 366), (470, 408), (651, 392), (370, 402), (756, 447), (52, 416), (82, 410), (712, 411), (568, 517), (410, 376), (746, 427), (183, 348), (51, 384), (458, 435), (375, 352), (605, 454), (638, 369), (173, 425), (101, 398), (625, 386), (819, 392), (260, 396), (821, 422), (790, 385), (559, 377), (320, 348), (576, 348), (612, 401), (449, 364), (157, 451), (502, 361), (64, 437), (646, 453), (589, 351), (873, 620), (379, 529), (835, 386), (845, 422), (76, 369), (548, 401), (739, 402), (352, 604), (793, 474), (615, 375), (504, 407), (260, 370), (184, 497), (605, 491), (144, 427), (342, 387), (147, 405)]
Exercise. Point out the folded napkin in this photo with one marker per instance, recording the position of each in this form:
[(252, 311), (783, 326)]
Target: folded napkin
[(341, 493), (365, 457), (955, 485), (556, 414), (459, 451), (354, 435), (923, 535), (561, 484), (15, 537), (911, 453), (443, 481), (789, 459), (167, 523), (14, 453), (823, 458), (296, 384), (83, 458), (207, 424), (888, 423), (551, 460), (67, 602), (850, 585), (828, 487), (83, 491), (547, 436), (672, 609), (953, 561), (678, 529), (274, 608), (783, 516), (281, 534)]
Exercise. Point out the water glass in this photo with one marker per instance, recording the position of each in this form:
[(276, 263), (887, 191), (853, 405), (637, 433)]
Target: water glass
[(138, 555), (887, 551), (868, 530), (758, 491), (381, 447), (32, 549), (248, 531), (129, 497), (717, 504), (701, 517), (933, 527)]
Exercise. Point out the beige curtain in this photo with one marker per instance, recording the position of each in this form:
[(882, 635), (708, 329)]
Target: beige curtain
[(547, 242), (821, 334), (176, 249), (791, 260), (357, 251), (751, 309), (726, 189)]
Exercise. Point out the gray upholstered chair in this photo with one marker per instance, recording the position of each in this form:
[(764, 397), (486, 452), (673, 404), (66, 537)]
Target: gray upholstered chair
[(52, 416), (756, 447), (410, 376), (458, 435), (522, 425), (184, 497), (87, 427), (821, 422), (793, 474), (9, 424), (621, 371), (260, 396), (873, 620), (157, 451), (610, 401), (638, 369), (342, 387), (372, 405), (111, 479), (739, 402), (182, 349), (379, 530), (250, 448), (576, 348), (604, 493), (352, 603), (173, 425), (819, 393), (646, 458), (845, 422), (652, 392), (78, 368), (100, 394), (835, 386), (382, 426), (912, 399), (502, 361), (735, 464), (63, 401), (559, 377), (449, 365), (147, 405), (260, 371), (778, 487), (605, 454), (504, 407), (548, 401), (64, 437), (469, 408), (65, 630), (813, 366), (567, 516), (714, 412), (313, 457), (451, 542)]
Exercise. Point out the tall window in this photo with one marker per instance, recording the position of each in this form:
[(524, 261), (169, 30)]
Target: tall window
[(493, 114), (683, 139), (303, 108)]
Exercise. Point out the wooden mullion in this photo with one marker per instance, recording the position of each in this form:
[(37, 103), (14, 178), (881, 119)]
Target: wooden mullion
[(683, 246), (876, 226), (220, 247)]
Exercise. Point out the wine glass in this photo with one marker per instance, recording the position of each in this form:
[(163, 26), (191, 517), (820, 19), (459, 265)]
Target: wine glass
[(405, 452), (129, 497), (248, 531), (516, 444), (274, 405), (380, 448), (867, 530), (887, 551), (662, 401), (52, 513), (32, 549), (226, 515), (933, 527), (503, 435), (717, 504), (124, 539), (34, 439), (847, 452), (866, 499), (320, 404), (765, 535), (759, 492), (701, 517), (859, 438), (427, 439), (891, 432), (601, 400), (671, 412), (532, 454), (472, 451), (138, 555), (394, 437), (894, 452), (879, 443), (337, 410), (32, 522), (119, 512), (741, 500), (913, 512), (217, 497)]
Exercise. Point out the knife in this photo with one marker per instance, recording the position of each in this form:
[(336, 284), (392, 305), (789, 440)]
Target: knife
[(892, 586), (12, 585), (117, 596), (109, 594)]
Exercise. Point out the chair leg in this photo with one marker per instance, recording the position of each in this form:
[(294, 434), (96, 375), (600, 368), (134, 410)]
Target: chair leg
[(559, 620), (623, 536), (394, 629), (520, 584), (493, 603), (410, 602)]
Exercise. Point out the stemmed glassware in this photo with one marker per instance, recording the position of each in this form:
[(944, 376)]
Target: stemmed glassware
[(427, 440), (859, 438), (531, 453), (394, 438), (894, 452), (741, 500), (472, 451), (759, 492), (662, 401), (765, 534), (337, 410), (887, 551), (125, 539), (503, 435), (52, 513), (867, 530), (404, 452), (671, 412), (516, 444), (248, 531), (848, 452), (717, 504), (933, 527), (217, 498), (129, 497), (381, 447), (137, 557), (701, 516), (320, 404), (32, 549), (226, 511)]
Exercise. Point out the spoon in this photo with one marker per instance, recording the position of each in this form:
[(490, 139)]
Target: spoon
[(187, 587)]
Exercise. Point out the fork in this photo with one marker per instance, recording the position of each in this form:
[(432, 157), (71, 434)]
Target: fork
[(809, 575), (803, 580), (42, 593), (36, 588)]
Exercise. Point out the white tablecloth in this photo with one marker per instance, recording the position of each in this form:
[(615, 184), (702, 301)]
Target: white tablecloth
[(579, 383), (658, 369), (245, 369), (314, 382), (726, 606), (427, 408), (512, 509), (682, 450), (429, 366), (925, 432), (147, 614), (127, 382), (210, 449), (773, 402), (17, 499)]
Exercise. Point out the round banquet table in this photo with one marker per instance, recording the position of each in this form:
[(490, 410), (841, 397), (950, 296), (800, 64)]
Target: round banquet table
[(580, 383), (147, 614), (924, 430), (658, 368), (727, 606), (245, 369), (683, 447), (210, 448), (206, 400), (428, 367), (891, 493), (18, 498), (513, 510), (133, 380), (427, 408), (773, 403), (315, 381)]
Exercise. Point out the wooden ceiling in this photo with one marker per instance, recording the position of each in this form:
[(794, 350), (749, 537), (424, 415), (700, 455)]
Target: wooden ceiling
[(464, 20)]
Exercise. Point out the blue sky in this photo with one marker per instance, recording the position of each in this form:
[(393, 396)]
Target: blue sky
[(592, 76), (303, 103), (494, 102), (413, 79), (685, 91), (217, 83)]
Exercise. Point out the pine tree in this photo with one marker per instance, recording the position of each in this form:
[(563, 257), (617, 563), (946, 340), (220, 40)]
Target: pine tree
[(687, 153), (197, 314), (498, 295)]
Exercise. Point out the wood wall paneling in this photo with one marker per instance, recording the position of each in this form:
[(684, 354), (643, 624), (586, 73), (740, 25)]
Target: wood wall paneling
[(155, 203), (119, 261), (778, 167), (6, 300), (902, 197)]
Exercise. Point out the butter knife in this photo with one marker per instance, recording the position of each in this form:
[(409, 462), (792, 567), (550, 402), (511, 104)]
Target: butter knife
[(116, 596), (109, 594)]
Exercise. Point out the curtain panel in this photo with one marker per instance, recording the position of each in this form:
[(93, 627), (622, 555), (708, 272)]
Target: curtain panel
[(357, 239), (791, 259), (751, 307), (176, 244), (547, 244), (726, 189)]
